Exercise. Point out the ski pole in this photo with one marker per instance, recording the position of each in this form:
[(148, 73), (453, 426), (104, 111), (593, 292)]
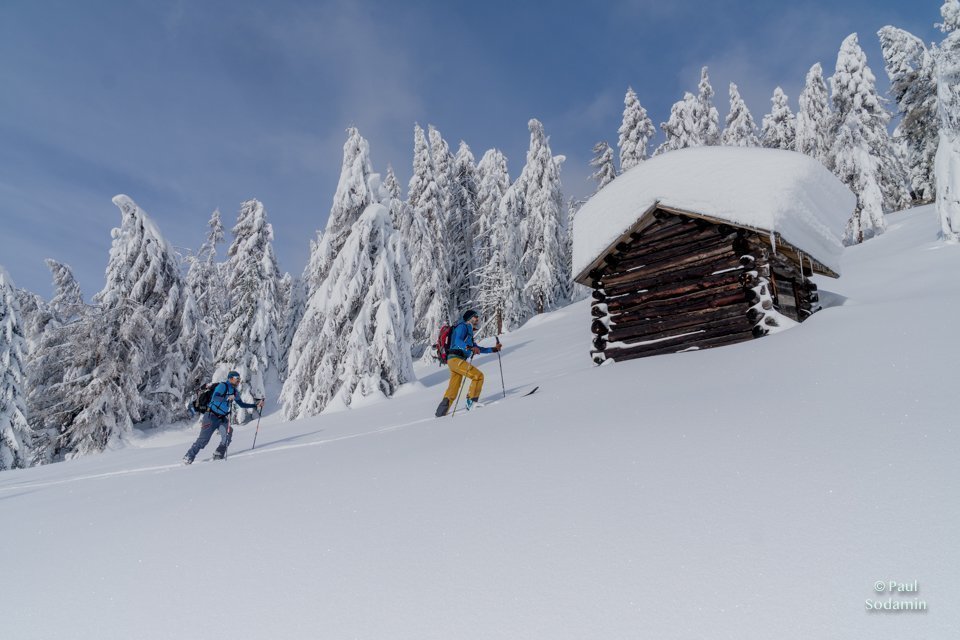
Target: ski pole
[(257, 432), (463, 379), (502, 385)]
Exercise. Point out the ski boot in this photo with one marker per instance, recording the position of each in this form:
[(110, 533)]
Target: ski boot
[(443, 407), (220, 454), (473, 402)]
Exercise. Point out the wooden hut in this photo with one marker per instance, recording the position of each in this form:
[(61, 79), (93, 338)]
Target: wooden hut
[(707, 247)]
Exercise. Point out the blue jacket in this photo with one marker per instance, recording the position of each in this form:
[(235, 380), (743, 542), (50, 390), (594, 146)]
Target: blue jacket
[(461, 342), (220, 405)]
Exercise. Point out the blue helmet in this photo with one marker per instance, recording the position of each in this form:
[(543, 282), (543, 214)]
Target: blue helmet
[(233, 374)]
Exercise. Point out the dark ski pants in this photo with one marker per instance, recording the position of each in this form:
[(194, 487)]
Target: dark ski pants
[(211, 423)]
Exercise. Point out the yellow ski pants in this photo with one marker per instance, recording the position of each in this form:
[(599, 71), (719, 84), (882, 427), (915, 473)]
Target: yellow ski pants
[(458, 369)]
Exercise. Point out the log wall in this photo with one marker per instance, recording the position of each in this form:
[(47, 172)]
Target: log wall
[(685, 283)]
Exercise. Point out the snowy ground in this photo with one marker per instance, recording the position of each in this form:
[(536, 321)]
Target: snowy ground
[(754, 491)]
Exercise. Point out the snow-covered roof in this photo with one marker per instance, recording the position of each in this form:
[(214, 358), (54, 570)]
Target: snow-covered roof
[(770, 190)]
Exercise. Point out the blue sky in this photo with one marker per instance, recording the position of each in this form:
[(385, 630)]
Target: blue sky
[(189, 106)]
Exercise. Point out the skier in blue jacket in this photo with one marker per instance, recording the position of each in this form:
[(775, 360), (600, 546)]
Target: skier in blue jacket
[(217, 418), (462, 347)]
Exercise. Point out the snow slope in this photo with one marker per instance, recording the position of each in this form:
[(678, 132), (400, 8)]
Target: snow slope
[(753, 491)]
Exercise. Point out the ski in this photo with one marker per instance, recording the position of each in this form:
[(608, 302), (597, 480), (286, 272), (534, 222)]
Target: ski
[(498, 400)]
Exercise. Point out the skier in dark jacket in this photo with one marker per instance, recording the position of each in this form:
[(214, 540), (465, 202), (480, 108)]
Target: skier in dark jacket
[(462, 347), (217, 418)]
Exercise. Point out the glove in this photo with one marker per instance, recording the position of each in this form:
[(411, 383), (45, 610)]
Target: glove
[(497, 347), (475, 350), (260, 403)]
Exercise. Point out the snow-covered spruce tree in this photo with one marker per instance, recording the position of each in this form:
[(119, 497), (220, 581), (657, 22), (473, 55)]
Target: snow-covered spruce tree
[(950, 12), (67, 302), (454, 226), (911, 70), (862, 155), (543, 228), (56, 348), (947, 164), (814, 117), (740, 129), (35, 317), (779, 129), (466, 187), (205, 280), (391, 196), (251, 344), (194, 344), (494, 182), (121, 362), (680, 130), (294, 303), (16, 437), (398, 208), (501, 296), (354, 339), (706, 119), (424, 238), (143, 275), (602, 162), (350, 199), (636, 131)]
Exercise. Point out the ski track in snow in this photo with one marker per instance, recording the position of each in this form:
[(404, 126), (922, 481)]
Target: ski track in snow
[(233, 456), (266, 449)]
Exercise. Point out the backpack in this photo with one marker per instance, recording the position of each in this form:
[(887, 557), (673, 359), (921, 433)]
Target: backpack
[(201, 404), (443, 343)]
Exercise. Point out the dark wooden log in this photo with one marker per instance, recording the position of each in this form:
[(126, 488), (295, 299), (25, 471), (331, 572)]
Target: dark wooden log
[(754, 315), (599, 328), (671, 291), (741, 245), (632, 329), (599, 343), (599, 295), (652, 271), (648, 248), (656, 255), (670, 216), (758, 331), (704, 299), (688, 274), (702, 341), (707, 343), (729, 323), (664, 231)]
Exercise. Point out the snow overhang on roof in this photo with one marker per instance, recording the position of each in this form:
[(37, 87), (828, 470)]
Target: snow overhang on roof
[(784, 193)]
